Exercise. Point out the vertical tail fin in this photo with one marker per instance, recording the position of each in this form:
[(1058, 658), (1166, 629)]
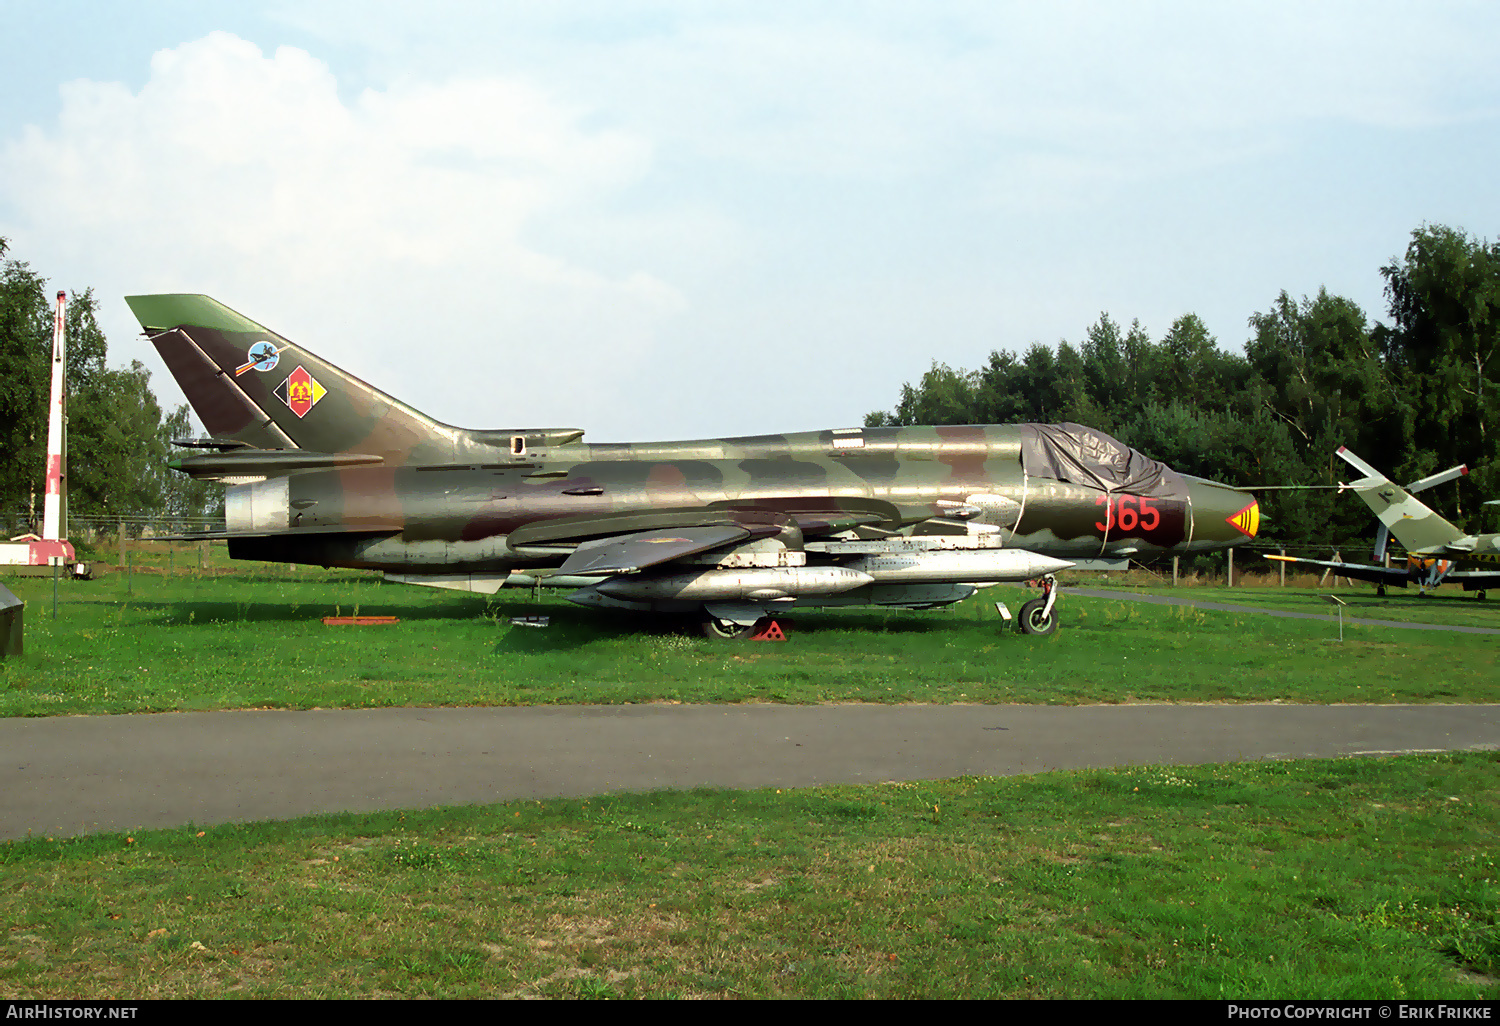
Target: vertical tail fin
[(249, 384), (1415, 525)]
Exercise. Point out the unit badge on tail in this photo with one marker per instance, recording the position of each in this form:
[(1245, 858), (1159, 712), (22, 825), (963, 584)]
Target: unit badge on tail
[(263, 357), (300, 391)]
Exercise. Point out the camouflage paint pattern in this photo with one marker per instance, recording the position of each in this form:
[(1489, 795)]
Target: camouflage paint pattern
[(325, 469)]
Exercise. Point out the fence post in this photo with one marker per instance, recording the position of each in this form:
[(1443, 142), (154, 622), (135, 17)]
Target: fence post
[(1174, 570), (122, 543)]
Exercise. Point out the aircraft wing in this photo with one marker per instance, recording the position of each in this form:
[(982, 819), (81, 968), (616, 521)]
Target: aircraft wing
[(629, 553), (1393, 576), (1474, 580)]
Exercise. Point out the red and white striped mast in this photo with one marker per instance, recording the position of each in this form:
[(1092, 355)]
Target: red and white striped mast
[(55, 505), (52, 548), (54, 512)]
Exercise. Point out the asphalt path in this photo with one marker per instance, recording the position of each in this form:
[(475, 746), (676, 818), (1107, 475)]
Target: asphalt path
[(1229, 607), (69, 775)]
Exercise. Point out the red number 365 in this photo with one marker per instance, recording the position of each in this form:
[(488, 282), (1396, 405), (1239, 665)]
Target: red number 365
[(1128, 513)]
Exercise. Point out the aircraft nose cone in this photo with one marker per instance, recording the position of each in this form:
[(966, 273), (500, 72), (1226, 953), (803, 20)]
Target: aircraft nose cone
[(1222, 516)]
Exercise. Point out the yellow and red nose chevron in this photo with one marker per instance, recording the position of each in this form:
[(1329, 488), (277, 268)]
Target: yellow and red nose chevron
[(1247, 519)]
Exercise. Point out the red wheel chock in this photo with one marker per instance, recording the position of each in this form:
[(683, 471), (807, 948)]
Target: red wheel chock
[(772, 632)]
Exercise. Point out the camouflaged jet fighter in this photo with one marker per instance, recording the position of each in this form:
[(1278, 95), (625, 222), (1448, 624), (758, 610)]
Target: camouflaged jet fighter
[(1436, 550), (324, 469)]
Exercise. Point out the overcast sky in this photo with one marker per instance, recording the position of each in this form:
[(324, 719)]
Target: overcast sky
[(670, 220)]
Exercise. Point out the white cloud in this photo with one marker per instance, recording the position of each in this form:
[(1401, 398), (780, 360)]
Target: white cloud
[(826, 84), (395, 232), (653, 218)]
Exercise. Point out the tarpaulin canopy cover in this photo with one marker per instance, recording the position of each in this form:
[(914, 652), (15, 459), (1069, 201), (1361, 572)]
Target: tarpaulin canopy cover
[(1083, 456)]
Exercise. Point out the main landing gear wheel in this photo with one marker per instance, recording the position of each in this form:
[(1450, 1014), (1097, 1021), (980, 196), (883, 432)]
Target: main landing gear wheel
[(728, 630), (1034, 618)]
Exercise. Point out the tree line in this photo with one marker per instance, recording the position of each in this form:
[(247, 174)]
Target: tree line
[(1413, 396), (118, 435)]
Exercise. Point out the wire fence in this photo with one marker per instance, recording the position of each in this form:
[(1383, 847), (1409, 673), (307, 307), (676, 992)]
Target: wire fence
[(92, 530)]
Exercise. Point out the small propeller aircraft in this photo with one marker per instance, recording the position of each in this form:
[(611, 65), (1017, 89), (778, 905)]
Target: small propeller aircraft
[(324, 469), (1437, 551)]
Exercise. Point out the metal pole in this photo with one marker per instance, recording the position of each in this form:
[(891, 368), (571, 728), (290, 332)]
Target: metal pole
[(1283, 570), (1231, 569), (56, 563), (1174, 570)]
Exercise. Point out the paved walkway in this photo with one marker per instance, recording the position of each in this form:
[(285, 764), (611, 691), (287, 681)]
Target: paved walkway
[(69, 775), (1229, 607)]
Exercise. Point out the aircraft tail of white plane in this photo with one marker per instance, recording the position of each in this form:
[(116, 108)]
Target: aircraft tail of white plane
[(1414, 524)]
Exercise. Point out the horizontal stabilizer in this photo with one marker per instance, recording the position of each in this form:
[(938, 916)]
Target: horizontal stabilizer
[(1359, 464), (286, 532), (210, 443), (245, 462), (1433, 480)]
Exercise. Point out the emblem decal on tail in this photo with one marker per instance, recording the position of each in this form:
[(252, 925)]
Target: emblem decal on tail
[(263, 357), (300, 391)]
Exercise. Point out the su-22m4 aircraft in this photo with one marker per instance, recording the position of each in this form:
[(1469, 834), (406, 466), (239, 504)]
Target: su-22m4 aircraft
[(324, 469), (1437, 551)]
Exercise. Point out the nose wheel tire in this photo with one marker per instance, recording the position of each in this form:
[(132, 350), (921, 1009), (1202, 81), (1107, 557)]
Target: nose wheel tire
[(1033, 619)]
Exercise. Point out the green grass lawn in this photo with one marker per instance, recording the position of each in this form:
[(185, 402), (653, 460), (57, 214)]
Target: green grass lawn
[(257, 640), (1447, 605), (1356, 878), (1335, 879)]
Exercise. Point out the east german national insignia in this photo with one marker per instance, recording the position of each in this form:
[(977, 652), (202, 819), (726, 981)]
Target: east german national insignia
[(300, 391)]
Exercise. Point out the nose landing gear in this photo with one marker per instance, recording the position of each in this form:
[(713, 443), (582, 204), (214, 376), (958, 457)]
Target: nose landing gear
[(1037, 616)]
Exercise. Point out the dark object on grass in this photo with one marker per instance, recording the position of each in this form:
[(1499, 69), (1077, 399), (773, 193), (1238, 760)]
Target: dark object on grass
[(10, 623)]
